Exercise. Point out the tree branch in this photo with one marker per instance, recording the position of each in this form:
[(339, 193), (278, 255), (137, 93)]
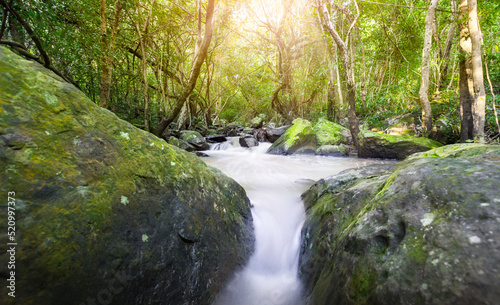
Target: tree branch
[(29, 30)]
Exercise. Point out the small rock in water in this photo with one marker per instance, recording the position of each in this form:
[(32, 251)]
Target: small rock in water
[(201, 154)]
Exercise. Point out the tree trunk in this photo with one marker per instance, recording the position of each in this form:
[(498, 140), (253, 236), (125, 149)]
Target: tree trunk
[(445, 59), (466, 81), (144, 62), (466, 97), (333, 108), (423, 93), (343, 47), (198, 60), (107, 53), (479, 105)]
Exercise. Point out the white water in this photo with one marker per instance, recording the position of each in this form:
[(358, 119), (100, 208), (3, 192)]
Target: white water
[(271, 183)]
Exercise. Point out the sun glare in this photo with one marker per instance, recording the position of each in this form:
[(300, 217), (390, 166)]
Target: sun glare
[(261, 11)]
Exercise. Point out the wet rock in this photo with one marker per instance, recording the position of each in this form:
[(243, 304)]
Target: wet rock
[(298, 139), (194, 139), (270, 133), (201, 154), (424, 231), (377, 145), (216, 138), (248, 141), (108, 213)]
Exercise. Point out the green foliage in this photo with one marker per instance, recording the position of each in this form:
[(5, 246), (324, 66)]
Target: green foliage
[(242, 69)]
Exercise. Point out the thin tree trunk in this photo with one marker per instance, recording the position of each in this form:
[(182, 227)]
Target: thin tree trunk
[(107, 53), (333, 108), (445, 60), (466, 84), (195, 70), (364, 81), (144, 62), (3, 27), (492, 94), (479, 106), (423, 93), (343, 47)]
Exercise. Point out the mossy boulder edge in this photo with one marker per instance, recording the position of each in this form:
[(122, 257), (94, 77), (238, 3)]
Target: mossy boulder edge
[(424, 231), (378, 145), (105, 211), (300, 138)]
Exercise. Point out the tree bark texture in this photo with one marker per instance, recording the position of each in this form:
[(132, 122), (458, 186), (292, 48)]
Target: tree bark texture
[(466, 81), (466, 97), (423, 93), (479, 105)]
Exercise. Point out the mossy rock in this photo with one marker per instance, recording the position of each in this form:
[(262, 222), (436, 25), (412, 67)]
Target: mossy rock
[(378, 145), (329, 133), (300, 138), (423, 231), (107, 212), (332, 150), (195, 139)]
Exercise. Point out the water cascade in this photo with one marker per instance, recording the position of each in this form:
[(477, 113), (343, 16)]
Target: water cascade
[(274, 185)]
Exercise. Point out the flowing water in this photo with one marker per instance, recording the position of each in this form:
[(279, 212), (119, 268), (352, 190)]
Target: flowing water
[(274, 185)]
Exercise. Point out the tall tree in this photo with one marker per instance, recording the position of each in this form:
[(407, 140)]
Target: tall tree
[(199, 58), (347, 61), (143, 34), (466, 82), (423, 93), (107, 50), (479, 105)]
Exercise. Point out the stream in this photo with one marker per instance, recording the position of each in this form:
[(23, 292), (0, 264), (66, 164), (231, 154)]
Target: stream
[(274, 185)]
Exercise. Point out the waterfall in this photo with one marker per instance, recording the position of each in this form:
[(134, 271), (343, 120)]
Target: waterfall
[(274, 185)]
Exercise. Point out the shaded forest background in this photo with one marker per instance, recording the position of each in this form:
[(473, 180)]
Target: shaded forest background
[(268, 58)]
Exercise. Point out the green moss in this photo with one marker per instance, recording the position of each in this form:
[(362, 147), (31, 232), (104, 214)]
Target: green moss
[(462, 150), (298, 138), (76, 166), (329, 133), (400, 139), (362, 284)]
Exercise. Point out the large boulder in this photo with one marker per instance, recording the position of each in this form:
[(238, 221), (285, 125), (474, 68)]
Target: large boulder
[(424, 231), (194, 139), (377, 145), (298, 139), (106, 213), (329, 133)]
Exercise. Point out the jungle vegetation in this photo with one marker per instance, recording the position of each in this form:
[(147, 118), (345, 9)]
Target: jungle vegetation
[(201, 63)]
